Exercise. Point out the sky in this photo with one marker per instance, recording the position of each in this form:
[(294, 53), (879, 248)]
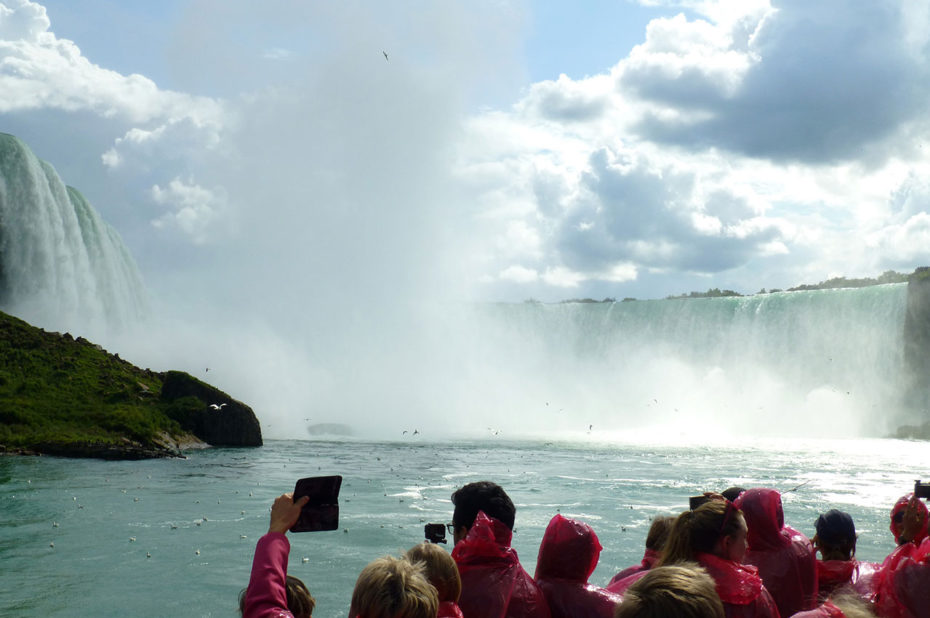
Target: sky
[(502, 150), (267, 164)]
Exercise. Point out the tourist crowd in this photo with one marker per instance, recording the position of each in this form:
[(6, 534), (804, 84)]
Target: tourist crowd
[(731, 555)]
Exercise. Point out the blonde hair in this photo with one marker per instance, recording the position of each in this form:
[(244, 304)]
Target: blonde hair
[(439, 568), (684, 590), (852, 606), (392, 587)]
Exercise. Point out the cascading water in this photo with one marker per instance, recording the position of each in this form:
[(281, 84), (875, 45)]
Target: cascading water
[(61, 265), (815, 363)]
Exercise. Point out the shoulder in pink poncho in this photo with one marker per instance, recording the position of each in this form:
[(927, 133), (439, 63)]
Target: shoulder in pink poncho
[(740, 588), (827, 610), (785, 557), (649, 560), (568, 555), (844, 576), (494, 585), (449, 609), (902, 585)]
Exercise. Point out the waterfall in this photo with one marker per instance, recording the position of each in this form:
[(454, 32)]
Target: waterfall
[(817, 363), (61, 265)]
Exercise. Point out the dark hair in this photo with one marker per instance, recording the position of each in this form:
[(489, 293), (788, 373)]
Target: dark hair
[(482, 496), (658, 532), (299, 600), (697, 532), (836, 534), (732, 493)]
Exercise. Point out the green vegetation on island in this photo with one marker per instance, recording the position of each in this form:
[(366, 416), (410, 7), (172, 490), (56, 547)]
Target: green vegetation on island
[(66, 396)]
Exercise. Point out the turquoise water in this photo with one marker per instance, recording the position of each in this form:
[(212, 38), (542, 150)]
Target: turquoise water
[(188, 517)]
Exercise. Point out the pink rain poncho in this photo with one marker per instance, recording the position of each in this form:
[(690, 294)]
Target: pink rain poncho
[(827, 610), (844, 575), (739, 587), (784, 556), (897, 514), (494, 585), (902, 585), (449, 609), (619, 586), (649, 560), (568, 555)]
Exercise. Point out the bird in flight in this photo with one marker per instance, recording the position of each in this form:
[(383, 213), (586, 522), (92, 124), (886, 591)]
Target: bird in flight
[(385, 55), (217, 407)]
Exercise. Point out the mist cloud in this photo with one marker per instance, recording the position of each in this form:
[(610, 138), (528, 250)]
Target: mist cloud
[(297, 198)]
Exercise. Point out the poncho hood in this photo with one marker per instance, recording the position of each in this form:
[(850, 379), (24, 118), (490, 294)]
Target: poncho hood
[(569, 550)]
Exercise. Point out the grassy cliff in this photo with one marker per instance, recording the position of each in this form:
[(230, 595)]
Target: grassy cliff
[(66, 396)]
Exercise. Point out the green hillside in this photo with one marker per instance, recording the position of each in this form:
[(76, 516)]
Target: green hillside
[(66, 396)]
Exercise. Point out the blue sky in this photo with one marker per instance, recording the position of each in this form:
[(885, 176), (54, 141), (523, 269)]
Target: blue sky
[(506, 150), (274, 175)]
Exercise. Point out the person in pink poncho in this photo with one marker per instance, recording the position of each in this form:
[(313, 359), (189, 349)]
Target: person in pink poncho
[(902, 584), (785, 557), (271, 592), (655, 541), (897, 520), (494, 584), (838, 571), (714, 536), (567, 556)]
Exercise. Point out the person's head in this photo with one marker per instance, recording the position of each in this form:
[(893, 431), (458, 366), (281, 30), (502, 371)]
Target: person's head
[(658, 532), (716, 527), (569, 550), (765, 517), (732, 493), (393, 588), (897, 518), (299, 600), (480, 496), (836, 535), (684, 591), (439, 568)]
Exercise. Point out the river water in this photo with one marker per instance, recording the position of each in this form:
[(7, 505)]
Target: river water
[(175, 537)]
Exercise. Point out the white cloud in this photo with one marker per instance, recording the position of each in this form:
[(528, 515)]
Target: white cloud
[(562, 277), (39, 70), (193, 210), (519, 274)]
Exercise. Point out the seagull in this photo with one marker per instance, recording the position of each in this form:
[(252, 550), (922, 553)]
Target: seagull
[(385, 55), (217, 407), (416, 431)]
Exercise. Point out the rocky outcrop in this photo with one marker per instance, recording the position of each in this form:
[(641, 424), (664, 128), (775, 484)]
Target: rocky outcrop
[(209, 413)]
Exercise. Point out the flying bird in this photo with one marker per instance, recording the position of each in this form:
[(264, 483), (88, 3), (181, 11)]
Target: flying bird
[(385, 55), (217, 407)]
